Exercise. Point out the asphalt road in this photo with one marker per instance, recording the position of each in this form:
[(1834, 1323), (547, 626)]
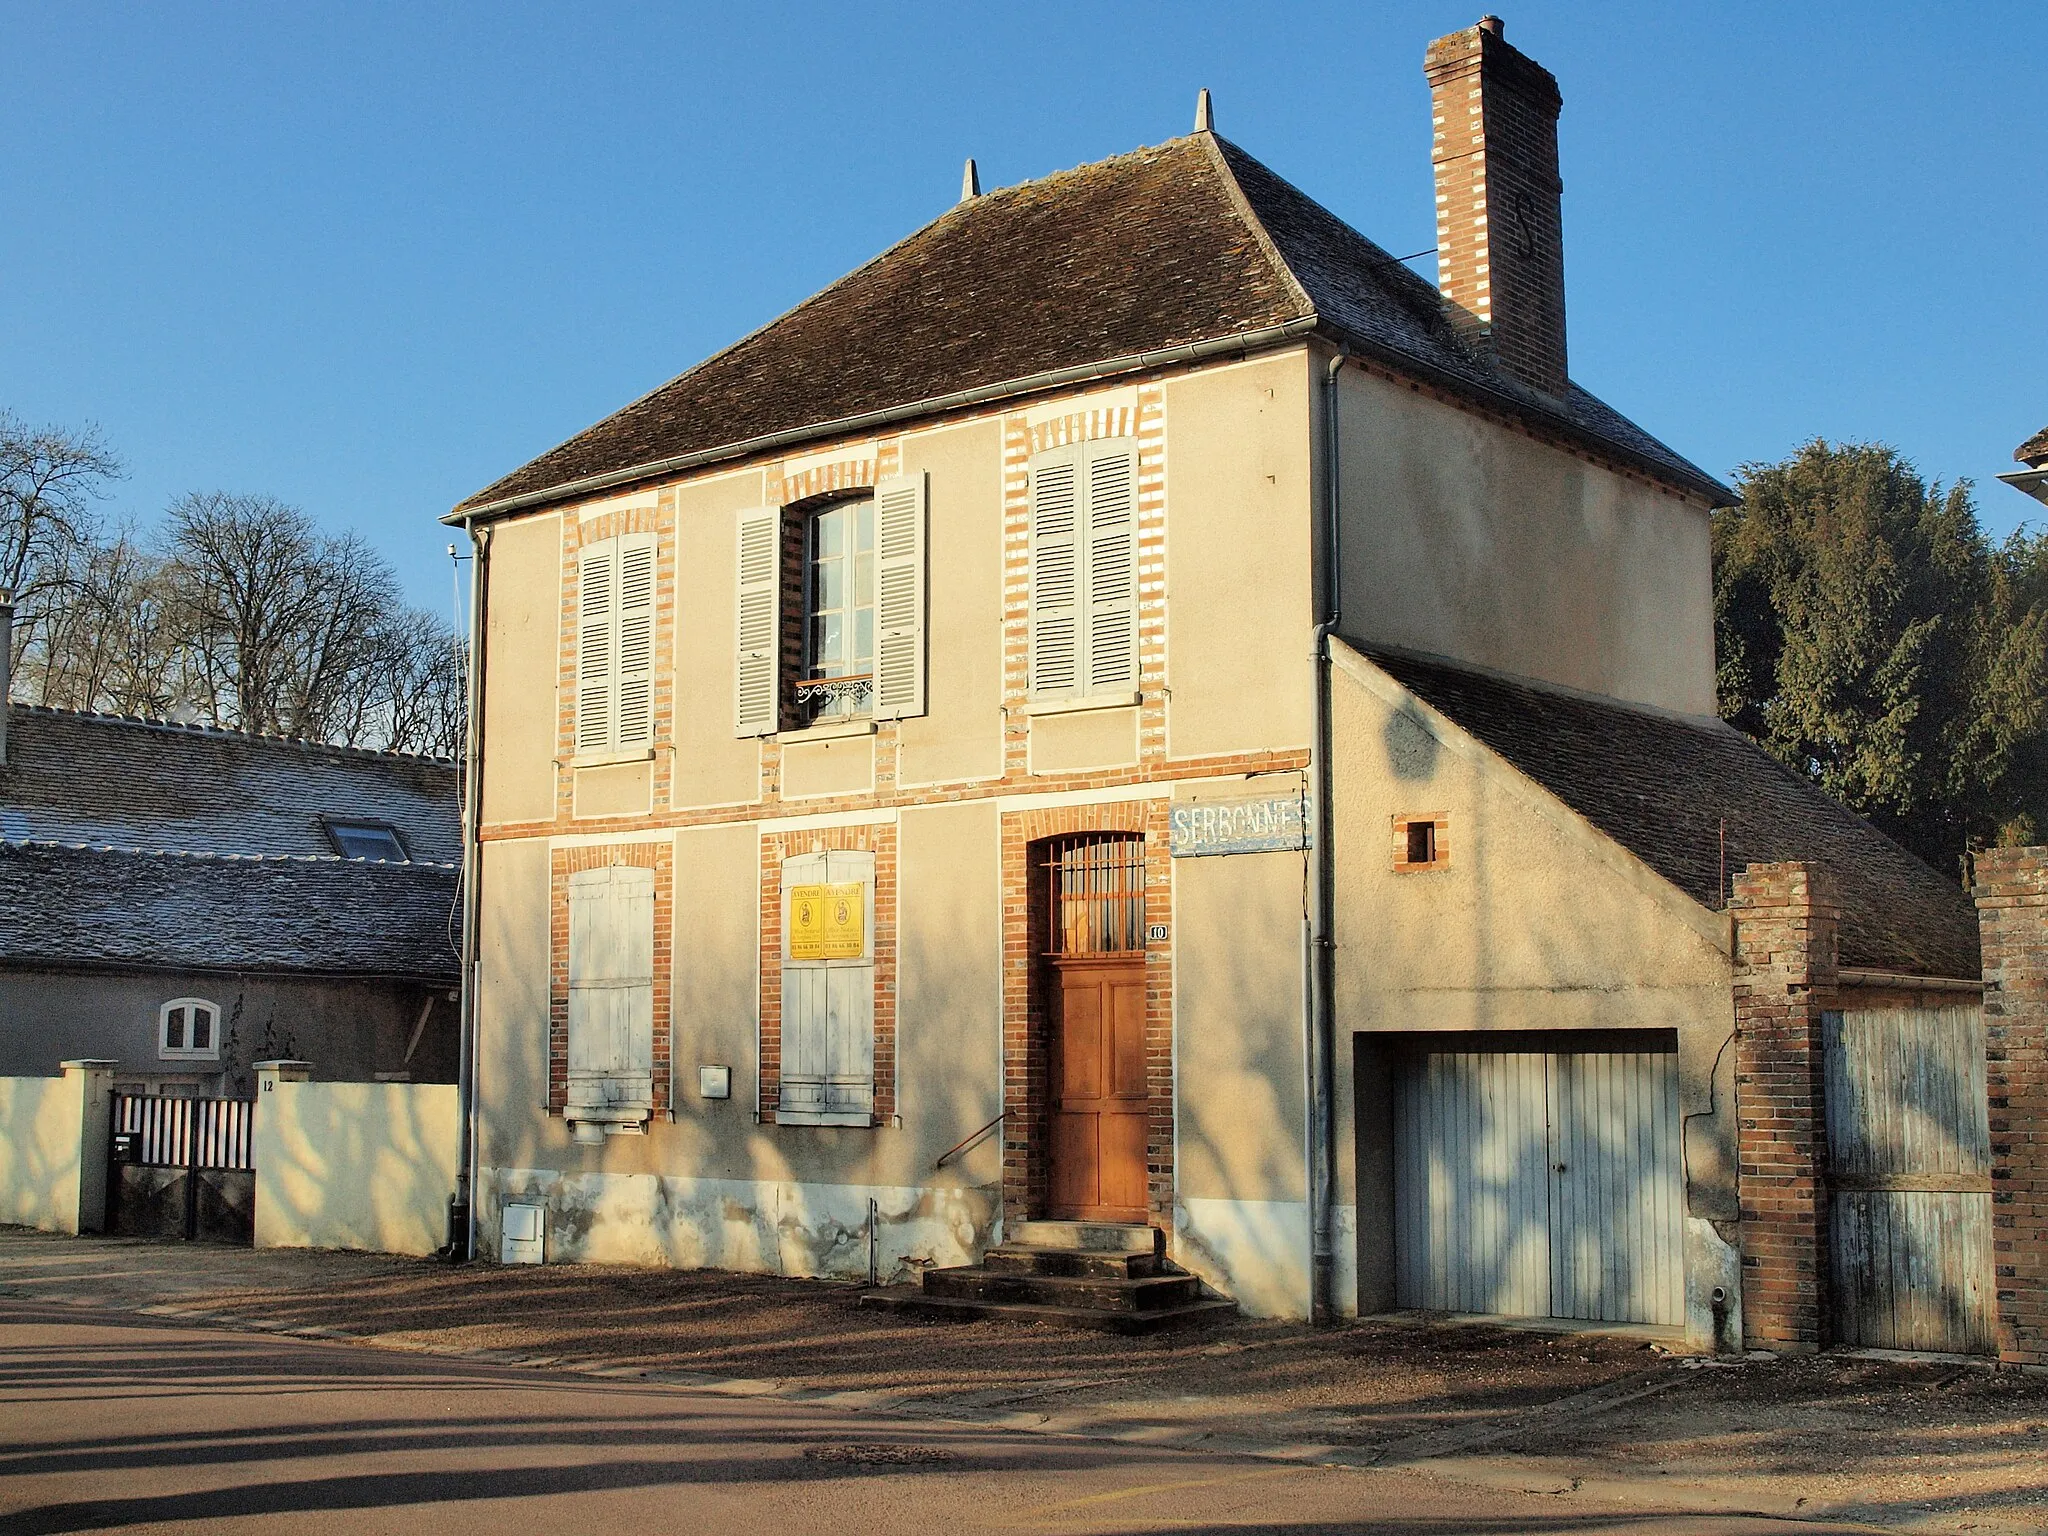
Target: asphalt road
[(111, 1421)]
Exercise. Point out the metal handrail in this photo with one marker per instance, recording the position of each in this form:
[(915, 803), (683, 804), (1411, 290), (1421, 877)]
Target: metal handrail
[(970, 1141)]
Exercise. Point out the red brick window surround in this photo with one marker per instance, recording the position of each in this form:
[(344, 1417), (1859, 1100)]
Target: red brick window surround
[(564, 862), (1029, 838), (1421, 842), (880, 841)]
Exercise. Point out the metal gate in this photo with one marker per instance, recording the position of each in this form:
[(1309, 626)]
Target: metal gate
[(181, 1167), (1909, 1179), (1540, 1184)]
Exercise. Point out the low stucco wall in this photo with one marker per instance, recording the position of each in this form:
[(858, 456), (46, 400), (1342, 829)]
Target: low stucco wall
[(53, 1150), (355, 1165)]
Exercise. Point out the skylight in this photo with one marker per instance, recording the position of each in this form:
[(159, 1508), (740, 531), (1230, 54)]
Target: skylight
[(374, 840)]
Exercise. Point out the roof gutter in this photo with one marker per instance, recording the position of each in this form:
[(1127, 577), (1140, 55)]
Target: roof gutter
[(1053, 378), (2031, 482)]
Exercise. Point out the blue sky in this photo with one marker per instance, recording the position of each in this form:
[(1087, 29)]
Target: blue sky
[(367, 258)]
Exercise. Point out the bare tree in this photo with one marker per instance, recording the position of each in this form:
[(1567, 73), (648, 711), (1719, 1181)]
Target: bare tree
[(245, 614), (49, 479), (107, 644)]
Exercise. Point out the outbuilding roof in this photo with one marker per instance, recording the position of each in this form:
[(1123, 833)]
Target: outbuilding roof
[(112, 781), (1171, 252), (94, 908), (1665, 787)]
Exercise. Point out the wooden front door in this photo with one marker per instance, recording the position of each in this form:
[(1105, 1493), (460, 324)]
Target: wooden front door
[(1101, 1099)]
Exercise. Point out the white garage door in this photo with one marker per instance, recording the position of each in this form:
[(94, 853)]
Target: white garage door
[(1540, 1185)]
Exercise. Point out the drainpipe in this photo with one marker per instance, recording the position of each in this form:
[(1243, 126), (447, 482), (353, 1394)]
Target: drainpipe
[(1320, 1025), (462, 1214)]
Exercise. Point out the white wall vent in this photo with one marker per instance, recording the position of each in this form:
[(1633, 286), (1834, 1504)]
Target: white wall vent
[(524, 1240)]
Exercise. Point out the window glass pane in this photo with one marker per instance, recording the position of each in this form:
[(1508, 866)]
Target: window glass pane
[(864, 580), (174, 1030), (202, 1029), (831, 532), (830, 638), (831, 583), (864, 535), (360, 842), (863, 641)]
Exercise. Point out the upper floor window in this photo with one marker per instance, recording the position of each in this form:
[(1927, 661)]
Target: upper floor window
[(857, 642), (377, 840), (1084, 571), (839, 612), (188, 1029), (615, 643)]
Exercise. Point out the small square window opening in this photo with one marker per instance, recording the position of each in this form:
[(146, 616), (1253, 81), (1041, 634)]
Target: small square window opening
[(1421, 842)]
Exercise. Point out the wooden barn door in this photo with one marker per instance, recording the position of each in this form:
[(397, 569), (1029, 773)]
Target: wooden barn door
[(1101, 1093), (1909, 1179)]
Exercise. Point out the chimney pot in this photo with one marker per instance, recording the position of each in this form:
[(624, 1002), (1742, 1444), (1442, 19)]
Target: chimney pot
[(970, 181), (1500, 215), (1205, 115)]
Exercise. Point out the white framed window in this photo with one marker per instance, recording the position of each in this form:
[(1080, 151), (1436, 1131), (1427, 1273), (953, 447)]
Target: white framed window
[(859, 638), (188, 1029), (611, 1000), (827, 1071), (838, 680), (615, 643), (1084, 571)]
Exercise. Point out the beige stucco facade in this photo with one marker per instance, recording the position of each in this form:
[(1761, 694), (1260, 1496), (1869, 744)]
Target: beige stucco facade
[(951, 803), (1470, 538)]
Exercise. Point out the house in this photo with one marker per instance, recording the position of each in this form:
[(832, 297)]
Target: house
[(2033, 479), (1132, 713), (186, 901)]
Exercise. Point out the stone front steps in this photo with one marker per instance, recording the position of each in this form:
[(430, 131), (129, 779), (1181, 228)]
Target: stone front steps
[(1105, 1276)]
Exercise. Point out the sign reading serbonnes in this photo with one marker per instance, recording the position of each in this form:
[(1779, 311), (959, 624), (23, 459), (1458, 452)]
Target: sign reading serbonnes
[(1275, 825)]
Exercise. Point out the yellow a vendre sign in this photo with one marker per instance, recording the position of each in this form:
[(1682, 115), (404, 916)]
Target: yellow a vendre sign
[(827, 922)]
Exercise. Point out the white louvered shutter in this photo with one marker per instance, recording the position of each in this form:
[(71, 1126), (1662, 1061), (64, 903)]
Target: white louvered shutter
[(611, 992), (900, 516), (805, 985), (828, 1009), (757, 626), (1110, 570), (595, 613), (850, 1005), (633, 658), (1055, 577)]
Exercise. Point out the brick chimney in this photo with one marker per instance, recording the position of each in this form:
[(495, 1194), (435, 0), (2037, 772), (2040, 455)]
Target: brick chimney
[(1499, 214)]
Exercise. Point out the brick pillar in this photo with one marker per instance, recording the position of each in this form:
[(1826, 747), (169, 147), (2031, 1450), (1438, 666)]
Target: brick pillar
[(1786, 917), (2012, 916)]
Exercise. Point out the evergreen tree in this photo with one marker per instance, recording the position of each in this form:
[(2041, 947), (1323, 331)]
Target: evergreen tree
[(1873, 638)]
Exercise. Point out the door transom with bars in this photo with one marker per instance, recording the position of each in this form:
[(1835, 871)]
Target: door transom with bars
[(1096, 886)]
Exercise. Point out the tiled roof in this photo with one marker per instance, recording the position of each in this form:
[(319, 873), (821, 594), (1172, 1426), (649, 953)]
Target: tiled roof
[(122, 783), (94, 907), (2034, 451), (1662, 787), (1189, 244)]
